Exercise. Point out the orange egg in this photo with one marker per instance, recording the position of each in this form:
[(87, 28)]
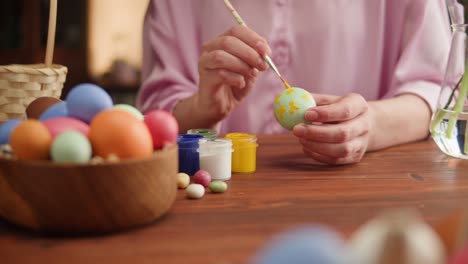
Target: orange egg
[(31, 140), (120, 133)]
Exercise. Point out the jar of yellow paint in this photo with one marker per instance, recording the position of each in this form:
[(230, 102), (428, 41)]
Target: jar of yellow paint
[(244, 155)]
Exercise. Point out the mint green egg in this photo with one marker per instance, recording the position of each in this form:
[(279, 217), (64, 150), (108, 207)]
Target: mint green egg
[(291, 105), (132, 110), (71, 147)]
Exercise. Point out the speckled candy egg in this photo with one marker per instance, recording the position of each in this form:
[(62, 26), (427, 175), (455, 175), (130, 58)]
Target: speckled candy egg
[(290, 106)]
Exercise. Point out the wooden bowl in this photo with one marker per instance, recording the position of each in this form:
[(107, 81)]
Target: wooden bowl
[(88, 198)]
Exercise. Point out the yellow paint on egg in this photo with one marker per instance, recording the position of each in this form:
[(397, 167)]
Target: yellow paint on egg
[(290, 106)]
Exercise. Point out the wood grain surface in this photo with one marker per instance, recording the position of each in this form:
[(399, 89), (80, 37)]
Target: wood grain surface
[(288, 189)]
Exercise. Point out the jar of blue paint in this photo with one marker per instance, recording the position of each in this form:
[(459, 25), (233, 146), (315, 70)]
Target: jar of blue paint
[(189, 159)]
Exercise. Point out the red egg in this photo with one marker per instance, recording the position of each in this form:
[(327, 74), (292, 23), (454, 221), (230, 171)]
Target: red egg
[(59, 125), (163, 128), (202, 177)]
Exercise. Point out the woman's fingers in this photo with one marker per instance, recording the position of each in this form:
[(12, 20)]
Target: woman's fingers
[(251, 38), (333, 133), (325, 99), (243, 43), (238, 49), (339, 133), (342, 150), (330, 160), (219, 59), (217, 77), (345, 108)]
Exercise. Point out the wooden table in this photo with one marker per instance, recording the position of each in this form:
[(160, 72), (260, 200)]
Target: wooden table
[(287, 190)]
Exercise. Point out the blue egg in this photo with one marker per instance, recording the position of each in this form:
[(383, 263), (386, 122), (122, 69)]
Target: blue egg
[(85, 100), (56, 110), (6, 129), (308, 244)]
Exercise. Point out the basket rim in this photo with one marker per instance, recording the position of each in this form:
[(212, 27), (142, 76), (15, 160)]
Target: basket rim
[(52, 165), (39, 69)]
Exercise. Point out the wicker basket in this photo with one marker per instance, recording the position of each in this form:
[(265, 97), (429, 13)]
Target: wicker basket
[(21, 84)]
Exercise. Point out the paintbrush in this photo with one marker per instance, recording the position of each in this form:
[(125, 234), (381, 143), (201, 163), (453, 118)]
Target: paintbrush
[(267, 58)]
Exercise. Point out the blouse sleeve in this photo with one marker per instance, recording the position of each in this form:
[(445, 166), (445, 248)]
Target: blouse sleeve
[(423, 51), (170, 55)]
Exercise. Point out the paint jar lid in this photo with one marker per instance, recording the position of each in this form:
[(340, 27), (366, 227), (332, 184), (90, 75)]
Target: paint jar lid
[(215, 145), (206, 133), (188, 141), (241, 137)]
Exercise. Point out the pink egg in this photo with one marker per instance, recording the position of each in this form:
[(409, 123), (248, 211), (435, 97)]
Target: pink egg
[(163, 127), (59, 125), (202, 177)]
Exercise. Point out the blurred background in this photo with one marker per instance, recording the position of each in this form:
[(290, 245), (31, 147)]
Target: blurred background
[(98, 40)]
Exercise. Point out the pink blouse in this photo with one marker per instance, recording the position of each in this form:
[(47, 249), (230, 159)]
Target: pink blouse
[(377, 48)]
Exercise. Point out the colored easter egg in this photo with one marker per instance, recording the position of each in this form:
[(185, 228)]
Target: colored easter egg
[(55, 110), (397, 236), (460, 258), (195, 191), (304, 245), (129, 109), (117, 132), (39, 105), (163, 127), (86, 100), (451, 230), (202, 177), (71, 147), (217, 186), (183, 180), (31, 140), (59, 125), (290, 106), (6, 129)]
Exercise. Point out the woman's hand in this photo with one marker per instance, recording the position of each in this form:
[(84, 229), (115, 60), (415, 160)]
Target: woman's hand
[(228, 68), (340, 131)]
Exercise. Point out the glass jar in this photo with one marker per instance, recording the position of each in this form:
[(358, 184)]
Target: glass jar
[(456, 11), (448, 124), (244, 155)]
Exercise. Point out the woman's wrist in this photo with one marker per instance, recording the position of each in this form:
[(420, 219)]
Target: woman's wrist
[(373, 130), (191, 114), (398, 120)]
